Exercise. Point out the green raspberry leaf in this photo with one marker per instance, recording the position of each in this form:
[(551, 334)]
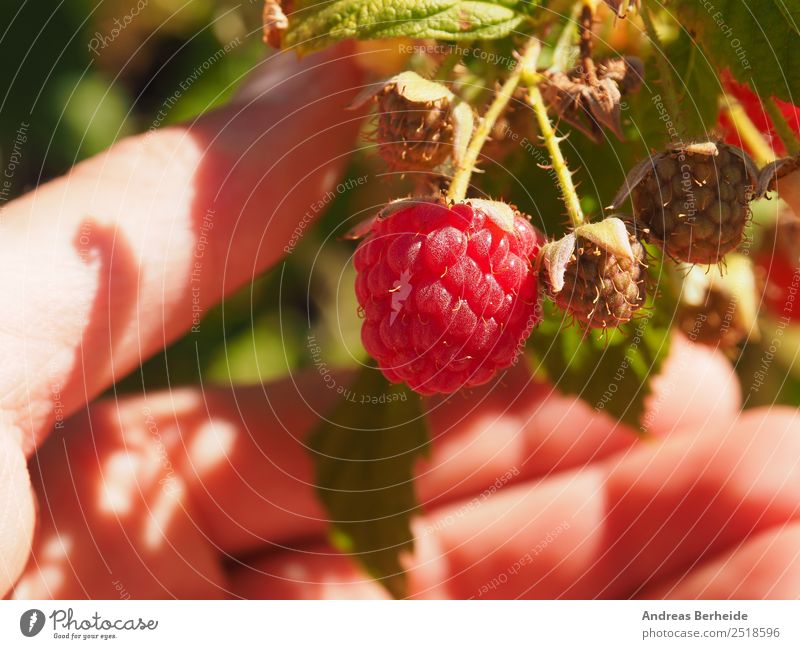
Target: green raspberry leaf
[(611, 371), (697, 86), (759, 40), (315, 24), (363, 454)]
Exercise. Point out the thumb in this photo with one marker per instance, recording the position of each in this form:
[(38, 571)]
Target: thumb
[(16, 512), (119, 258)]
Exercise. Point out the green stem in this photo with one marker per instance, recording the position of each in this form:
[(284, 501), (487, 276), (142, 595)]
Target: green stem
[(460, 183), (759, 147), (671, 99), (586, 42), (551, 141), (451, 61), (782, 128)]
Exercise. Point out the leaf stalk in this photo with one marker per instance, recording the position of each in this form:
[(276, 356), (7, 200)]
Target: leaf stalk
[(782, 128)]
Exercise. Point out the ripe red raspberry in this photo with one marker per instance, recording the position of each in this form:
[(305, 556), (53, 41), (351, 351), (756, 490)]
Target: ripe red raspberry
[(448, 293), (781, 286), (778, 261), (755, 111)]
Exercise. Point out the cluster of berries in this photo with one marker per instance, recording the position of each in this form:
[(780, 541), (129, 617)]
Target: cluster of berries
[(450, 291)]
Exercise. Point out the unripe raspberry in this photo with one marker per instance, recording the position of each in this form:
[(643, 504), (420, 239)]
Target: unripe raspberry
[(600, 285), (413, 135), (693, 201), (719, 308), (421, 124), (448, 293)]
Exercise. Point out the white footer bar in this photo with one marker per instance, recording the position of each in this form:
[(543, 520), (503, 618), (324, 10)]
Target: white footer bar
[(401, 625)]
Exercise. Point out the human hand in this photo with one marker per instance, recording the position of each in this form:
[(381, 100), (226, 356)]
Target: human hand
[(207, 493), (527, 493), (105, 266)]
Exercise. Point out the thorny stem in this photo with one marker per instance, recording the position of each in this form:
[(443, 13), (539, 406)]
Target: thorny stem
[(551, 141), (759, 147), (587, 20), (460, 183), (782, 127), (670, 96)]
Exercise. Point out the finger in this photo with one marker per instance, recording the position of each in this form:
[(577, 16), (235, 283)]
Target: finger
[(144, 498), (261, 492), (17, 513), (648, 514), (681, 398), (601, 531), (238, 457), (115, 517), (113, 261), (247, 471), (524, 531), (688, 500), (764, 567), (532, 430)]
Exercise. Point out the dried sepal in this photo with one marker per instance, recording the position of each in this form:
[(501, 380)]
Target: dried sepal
[(275, 21), (635, 176), (418, 90), (403, 203), (783, 176), (408, 85), (776, 171), (589, 102), (361, 229), (610, 235), (752, 170), (623, 7), (499, 213), (463, 126), (555, 256), (627, 71)]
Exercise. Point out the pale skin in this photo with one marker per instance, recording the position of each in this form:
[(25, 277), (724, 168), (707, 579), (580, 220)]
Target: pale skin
[(201, 492)]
